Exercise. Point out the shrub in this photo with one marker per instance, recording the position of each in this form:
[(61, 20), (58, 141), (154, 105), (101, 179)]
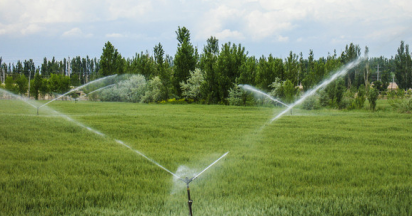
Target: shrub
[(402, 106), (360, 97), (154, 90), (323, 98), (312, 103), (191, 88), (235, 96), (372, 97)]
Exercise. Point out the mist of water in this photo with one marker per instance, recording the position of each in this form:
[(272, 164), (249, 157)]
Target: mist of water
[(77, 88), (105, 87), (195, 177), (176, 176), (24, 99), (257, 91), (311, 92)]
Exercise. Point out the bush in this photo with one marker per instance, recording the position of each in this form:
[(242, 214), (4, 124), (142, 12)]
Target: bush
[(372, 97), (312, 103), (409, 93), (323, 98), (402, 106), (347, 101), (131, 90), (235, 96), (360, 97), (400, 93), (154, 91), (391, 94)]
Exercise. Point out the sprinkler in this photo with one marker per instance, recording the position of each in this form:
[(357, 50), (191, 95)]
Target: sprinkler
[(189, 201), (187, 181)]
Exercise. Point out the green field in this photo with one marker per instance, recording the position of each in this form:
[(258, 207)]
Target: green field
[(324, 162)]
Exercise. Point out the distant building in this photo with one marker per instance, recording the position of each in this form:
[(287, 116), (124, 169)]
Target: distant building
[(392, 86), (300, 87)]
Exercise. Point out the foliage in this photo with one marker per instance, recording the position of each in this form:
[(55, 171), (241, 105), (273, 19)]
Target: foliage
[(403, 65), (339, 91), (360, 97), (191, 88), (372, 95), (347, 101), (44, 89), (154, 91), (312, 103), (130, 90), (58, 84), (222, 65), (230, 60), (208, 64), (400, 93), (37, 85), (380, 86), (111, 61), (10, 84), (391, 94), (323, 98), (22, 84), (401, 105), (285, 90), (235, 96), (185, 59), (409, 93)]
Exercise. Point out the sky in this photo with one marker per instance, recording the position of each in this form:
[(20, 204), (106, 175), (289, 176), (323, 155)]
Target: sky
[(34, 29)]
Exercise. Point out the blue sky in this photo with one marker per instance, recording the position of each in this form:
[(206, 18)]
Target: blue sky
[(45, 28)]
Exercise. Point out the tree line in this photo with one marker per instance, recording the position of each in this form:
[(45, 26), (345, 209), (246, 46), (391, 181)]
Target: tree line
[(213, 71)]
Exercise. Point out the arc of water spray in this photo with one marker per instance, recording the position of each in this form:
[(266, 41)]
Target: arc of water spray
[(325, 83), (250, 88), (195, 177), (24, 99), (75, 89), (105, 87)]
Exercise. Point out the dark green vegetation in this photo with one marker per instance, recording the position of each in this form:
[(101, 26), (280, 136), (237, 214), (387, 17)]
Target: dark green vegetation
[(312, 163), (221, 66)]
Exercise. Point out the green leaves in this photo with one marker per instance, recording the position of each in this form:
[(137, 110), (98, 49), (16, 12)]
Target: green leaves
[(111, 61)]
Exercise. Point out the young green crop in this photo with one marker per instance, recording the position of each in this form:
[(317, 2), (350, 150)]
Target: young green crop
[(323, 162)]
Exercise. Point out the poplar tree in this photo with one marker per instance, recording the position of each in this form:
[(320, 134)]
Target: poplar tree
[(185, 59), (111, 61), (208, 64), (37, 85), (403, 72)]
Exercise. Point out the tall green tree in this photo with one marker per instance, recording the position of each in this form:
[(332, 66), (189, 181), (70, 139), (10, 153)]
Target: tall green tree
[(208, 64), (248, 71), (268, 70), (163, 70), (38, 81), (351, 53), (185, 59), (230, 60), (292, 68), (22, 84), (9, 84), (143, 64), (111, 61), (403, 71)]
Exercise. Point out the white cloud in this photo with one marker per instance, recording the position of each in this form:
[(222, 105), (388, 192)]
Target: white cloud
[(228, 34), (280, 38), (32, 29), (115, 35), (214, 21), (76, 32)]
